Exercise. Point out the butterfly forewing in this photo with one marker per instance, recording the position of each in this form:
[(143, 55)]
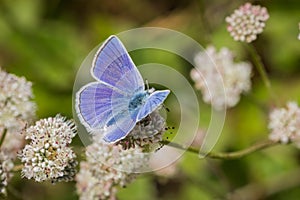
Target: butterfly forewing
[(112, 63)]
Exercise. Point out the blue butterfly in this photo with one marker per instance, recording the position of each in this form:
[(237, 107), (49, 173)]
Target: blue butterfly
[(117, 100)]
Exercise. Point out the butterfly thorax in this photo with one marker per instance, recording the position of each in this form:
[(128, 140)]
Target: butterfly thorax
[(137, 100)]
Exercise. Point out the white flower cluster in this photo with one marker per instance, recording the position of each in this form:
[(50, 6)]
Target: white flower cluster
[(6, 165), (147, 132), (16, 110), (247, 22), (15, 100), (285, 124), (170, 168), (106, 167), (219, 78), (13, 142), (48, 156)]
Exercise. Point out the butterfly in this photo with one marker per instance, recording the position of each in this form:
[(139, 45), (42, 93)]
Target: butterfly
[(117, 100)]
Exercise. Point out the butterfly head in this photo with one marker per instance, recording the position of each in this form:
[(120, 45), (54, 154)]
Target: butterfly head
[(150, 90)]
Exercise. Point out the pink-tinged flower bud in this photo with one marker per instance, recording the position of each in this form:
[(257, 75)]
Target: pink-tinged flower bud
[(285, 124), (247, 22)]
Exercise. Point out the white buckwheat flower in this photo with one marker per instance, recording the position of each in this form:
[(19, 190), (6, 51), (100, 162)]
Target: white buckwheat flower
[(165, 155), (16, 109), (247, 22), (285, 124), (107, 166), (48, 156), (219, 78), (6, 165), (13, 141), (15, 101), (146, 133)]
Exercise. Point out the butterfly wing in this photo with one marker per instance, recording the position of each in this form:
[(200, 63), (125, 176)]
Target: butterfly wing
[(123, 125), (152, 102), (102, 108), (94, 105), (104, 105), (113, 64)]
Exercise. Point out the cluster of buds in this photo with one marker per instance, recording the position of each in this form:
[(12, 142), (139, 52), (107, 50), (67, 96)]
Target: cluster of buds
[(107, 166), (285, 124), (247, 22), (146, 133), (16, 110), (48, 155), (220, 79)]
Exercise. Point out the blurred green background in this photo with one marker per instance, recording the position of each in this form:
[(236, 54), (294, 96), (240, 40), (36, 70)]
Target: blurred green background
[(46, 41)]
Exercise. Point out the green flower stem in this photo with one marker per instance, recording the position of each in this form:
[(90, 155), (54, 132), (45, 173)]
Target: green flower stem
[(259, 65), (17, 168), (225, 155), (261, 68), (3, 137)]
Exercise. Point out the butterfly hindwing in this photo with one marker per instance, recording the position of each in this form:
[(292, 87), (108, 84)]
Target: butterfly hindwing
[(113, 64), (94, 104), (123, 125)]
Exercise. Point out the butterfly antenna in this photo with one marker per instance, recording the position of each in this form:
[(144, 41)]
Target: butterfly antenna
[(147, 85)]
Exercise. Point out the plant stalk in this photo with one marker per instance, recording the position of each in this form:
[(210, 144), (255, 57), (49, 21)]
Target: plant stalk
[(225, 155), (261, 69), (3, 137)]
